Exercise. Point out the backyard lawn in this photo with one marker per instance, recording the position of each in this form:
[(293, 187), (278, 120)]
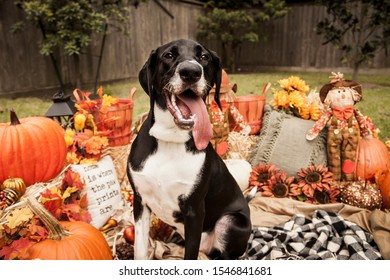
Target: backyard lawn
[(375, 103)]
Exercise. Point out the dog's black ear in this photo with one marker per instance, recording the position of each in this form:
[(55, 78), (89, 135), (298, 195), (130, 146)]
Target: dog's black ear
[(217, 76), (145, 76)]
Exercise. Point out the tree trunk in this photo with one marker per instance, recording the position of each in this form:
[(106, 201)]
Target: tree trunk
[(100, 57), (53, 59), (76, 59), (230, 58), (357, 56), (355, 72)]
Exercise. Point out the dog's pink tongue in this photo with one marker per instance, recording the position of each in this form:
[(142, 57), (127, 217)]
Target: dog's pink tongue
[(202, 130)]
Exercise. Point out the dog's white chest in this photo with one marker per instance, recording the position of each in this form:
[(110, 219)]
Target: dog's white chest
[(168, 174)]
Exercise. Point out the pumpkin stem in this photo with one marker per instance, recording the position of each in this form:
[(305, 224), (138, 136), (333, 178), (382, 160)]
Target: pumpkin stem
[(14, 118), (365, 183), (56, 231)]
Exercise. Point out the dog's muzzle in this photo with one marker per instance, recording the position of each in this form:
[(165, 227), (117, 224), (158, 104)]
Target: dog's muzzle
[(190, 113), (183, 95)]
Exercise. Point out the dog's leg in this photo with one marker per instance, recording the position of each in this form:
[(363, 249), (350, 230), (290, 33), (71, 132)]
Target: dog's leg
[(193, 225), (142, 221), (233, 230)]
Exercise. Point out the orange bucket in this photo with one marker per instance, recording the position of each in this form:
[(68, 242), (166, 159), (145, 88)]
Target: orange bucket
[(117, 118), (251, 108)]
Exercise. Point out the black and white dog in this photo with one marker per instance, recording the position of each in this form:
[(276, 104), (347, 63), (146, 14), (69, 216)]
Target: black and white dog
[(172, 167)]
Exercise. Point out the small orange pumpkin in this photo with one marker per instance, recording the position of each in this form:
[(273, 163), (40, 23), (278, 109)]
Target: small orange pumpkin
[(67, 240), (372, 157), (383, 180), (32, 148)]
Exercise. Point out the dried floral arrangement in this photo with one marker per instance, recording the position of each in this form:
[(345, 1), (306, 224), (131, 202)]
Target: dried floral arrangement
[(312, 184), (84, 142), (316, 185), (292, 99)]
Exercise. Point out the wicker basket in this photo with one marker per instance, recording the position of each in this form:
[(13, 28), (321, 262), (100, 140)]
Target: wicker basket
[(251, 108), (116, 118)]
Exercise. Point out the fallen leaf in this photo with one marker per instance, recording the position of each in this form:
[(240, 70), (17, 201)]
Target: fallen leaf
[(19, 216), (19, 248), (68, 192)]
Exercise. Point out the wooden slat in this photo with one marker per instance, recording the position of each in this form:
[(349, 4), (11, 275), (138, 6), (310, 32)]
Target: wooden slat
[(291, 42)]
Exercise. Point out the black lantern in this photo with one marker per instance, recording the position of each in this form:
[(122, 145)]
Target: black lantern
[(62, 109)]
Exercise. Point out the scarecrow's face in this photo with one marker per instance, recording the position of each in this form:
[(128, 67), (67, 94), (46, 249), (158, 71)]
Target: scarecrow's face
[(340, 97)]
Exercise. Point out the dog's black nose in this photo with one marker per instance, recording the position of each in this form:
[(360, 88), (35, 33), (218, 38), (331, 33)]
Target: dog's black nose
[(190, 72)]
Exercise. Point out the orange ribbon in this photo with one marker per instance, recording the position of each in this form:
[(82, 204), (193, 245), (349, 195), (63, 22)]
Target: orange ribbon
[(343, 113), (214, 106)]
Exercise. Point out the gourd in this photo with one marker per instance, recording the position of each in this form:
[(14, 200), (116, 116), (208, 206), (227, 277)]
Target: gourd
[(16, 184), (372, 157), (67, 240), (362, 194), (32, 148)]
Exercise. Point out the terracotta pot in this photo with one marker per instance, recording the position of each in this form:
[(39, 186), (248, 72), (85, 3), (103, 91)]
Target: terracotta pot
[(251, 108)]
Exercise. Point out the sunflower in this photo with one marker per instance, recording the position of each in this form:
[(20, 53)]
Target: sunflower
[(285, 84), (279, 185), (297, 84), (261, 174), (292, 98), (294, 83), (297, 100), (281, 100), (304, 112), (326, 196), (315, 111), (314, 185)]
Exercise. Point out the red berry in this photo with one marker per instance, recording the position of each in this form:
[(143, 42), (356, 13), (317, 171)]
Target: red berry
[(129, 234)]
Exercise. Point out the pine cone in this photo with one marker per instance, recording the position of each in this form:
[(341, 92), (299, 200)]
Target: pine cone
[(125, 251)]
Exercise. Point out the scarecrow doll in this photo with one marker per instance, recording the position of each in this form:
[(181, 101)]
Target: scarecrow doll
[(227, 118), (344, 122)]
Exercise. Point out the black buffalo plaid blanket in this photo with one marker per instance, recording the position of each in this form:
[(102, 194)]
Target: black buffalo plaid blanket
[(327, 236)]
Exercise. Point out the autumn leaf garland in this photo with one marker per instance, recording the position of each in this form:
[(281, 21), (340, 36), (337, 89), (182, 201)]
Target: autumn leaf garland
[(67, 203), (22, 228)]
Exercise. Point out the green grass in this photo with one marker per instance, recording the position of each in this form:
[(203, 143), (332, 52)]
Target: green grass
[(375, 103)]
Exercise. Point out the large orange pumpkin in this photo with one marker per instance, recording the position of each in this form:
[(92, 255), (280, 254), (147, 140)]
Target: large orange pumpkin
[(67, 240), (33, 149), (84, 242), (372, 157)]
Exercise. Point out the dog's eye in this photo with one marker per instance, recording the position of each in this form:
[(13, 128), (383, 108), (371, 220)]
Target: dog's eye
[(204, 56), (168, 55)]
